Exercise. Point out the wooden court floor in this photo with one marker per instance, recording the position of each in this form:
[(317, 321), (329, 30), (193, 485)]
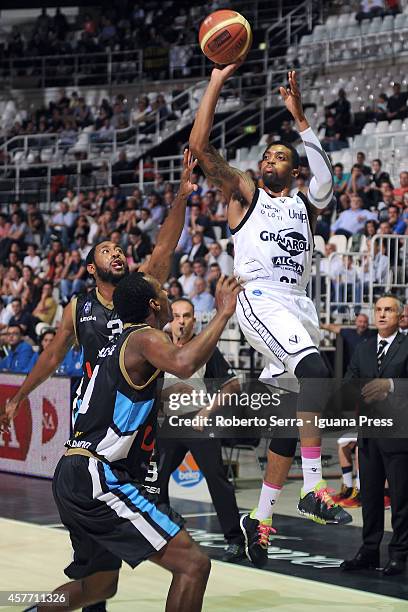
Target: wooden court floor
[(33, 557)]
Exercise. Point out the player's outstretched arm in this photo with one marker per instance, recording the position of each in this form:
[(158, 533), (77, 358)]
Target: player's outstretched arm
[(46, 365), (159, 263), (157, 348), (225, 177), (320, 191)]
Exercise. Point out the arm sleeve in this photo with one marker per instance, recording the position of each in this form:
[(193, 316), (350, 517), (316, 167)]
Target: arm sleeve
[(321, 186)]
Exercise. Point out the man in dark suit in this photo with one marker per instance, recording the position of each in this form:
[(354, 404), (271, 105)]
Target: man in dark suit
[(384, 359)]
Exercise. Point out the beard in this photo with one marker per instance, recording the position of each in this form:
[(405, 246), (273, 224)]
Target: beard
[(273, 182), (108, 276)]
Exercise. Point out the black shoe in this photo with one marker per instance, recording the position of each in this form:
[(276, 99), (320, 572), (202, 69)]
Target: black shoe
[(233, 553), (97, 607), (256, 535), (394, 567), (319, 506), (361, 561)]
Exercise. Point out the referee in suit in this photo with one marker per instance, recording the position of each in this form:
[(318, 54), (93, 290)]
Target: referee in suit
[(207, 453), (384, 359)]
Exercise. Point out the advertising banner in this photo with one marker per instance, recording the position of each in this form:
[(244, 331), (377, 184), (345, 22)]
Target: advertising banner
[(35, 440)]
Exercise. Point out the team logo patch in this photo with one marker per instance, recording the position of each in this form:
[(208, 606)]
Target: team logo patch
[(87, 308), (257, 292), (294, 339)]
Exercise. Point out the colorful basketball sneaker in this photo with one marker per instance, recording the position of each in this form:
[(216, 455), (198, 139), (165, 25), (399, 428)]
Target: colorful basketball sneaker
[(319, 506), (256, 535), (354, 501), (344, 493)]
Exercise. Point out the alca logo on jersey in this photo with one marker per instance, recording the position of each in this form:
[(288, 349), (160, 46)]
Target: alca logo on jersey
[(288, 240), (287, 263)]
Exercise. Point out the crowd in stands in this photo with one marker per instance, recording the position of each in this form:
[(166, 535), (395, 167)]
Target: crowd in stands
[(43, 256), (67, 115), (339, 122), (377, 8), (163, 30)]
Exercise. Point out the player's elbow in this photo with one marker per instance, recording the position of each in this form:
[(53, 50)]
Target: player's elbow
[(321, 196), (183, 367), (197, 146)]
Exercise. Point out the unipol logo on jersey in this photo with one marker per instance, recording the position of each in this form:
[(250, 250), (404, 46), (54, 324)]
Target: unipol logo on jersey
[(288, 240), (188, 474)]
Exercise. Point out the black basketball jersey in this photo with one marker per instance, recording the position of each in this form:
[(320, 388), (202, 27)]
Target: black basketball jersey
[(116, 419), (96, 323)]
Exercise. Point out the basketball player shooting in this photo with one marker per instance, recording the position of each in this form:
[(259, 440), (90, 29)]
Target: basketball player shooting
[(273, 243)]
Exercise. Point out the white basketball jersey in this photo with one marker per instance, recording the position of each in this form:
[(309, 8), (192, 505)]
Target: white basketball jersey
[(274, 241)]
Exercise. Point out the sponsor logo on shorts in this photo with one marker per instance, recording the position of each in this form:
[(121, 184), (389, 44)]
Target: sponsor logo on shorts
[(287, 263), (188, 473), (294, 339), (288, 240), (78, 443), (257, 292)]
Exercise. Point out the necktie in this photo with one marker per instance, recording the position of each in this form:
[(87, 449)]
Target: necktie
[(381, 352)]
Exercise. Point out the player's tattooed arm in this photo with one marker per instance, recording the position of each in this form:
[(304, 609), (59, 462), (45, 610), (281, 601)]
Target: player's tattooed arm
[(232, 182)]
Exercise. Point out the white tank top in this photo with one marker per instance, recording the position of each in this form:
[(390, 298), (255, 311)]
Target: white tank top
[(274, 241)]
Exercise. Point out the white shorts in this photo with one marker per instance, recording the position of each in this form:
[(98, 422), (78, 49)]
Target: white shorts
[(280, 324), (346, 441)]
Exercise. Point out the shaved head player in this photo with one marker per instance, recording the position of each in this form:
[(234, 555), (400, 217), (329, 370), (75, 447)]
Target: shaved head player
[(273, 244)]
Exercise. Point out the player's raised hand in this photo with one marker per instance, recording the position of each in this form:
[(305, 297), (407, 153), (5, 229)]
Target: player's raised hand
[(226, 294), (189, 163), (292, 98), (221, 73)]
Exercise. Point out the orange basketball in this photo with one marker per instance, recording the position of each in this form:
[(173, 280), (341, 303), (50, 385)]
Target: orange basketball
[(224, 36)]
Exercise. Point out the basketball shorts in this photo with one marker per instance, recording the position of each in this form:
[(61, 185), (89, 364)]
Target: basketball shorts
[(346, 441), (110, 518), (280, 324)]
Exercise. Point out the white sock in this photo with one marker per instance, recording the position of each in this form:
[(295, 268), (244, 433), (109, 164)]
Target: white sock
[(348, 479), (357, 480), (311, 467), (267, 500)]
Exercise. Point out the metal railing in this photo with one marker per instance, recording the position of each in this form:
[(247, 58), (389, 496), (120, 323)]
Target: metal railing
[(77, 70), (120, 67), (47, 183), (354, 280), (149, 131), (287, 29)]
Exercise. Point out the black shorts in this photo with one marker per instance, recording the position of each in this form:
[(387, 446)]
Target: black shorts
[(110, 517)]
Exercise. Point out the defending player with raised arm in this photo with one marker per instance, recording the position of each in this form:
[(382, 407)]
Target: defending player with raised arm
[(280, 161), (91, 320), (98, 484)]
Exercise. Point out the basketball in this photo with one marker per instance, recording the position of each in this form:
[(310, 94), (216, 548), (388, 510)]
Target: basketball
[(225, 36)]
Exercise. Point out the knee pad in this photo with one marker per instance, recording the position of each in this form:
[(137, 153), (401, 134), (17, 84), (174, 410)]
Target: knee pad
[(286, 447), (312, 375)]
